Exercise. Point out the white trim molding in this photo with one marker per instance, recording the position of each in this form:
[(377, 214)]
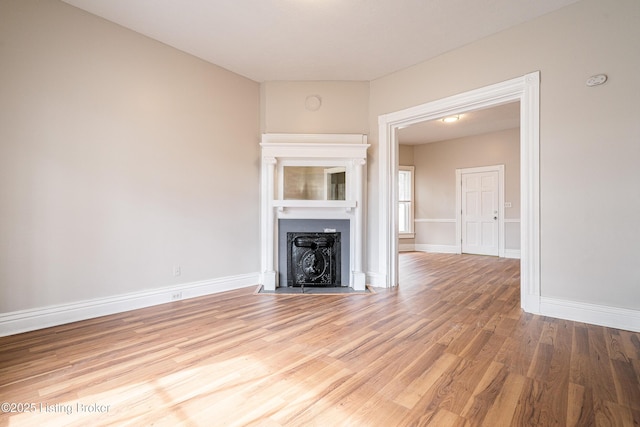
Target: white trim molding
[(526, 90), (512, 253), (375, 279), (437, 220), (44, 317), (407, 236), (611, 317), (439, 249), (447, 249)]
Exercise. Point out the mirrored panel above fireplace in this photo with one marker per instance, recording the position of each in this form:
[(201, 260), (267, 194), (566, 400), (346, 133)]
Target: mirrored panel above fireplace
[(314, 183)]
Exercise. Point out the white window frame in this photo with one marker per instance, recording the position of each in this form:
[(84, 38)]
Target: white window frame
[(410, 233)]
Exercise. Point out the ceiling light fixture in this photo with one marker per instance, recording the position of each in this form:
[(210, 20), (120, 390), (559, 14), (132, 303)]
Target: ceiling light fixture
[(451, 119)]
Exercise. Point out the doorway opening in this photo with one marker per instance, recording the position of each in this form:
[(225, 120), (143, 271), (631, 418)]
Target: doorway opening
[(524, 89)]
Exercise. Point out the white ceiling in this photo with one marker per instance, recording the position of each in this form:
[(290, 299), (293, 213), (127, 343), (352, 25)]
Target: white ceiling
[(506, 116), (267, 40)]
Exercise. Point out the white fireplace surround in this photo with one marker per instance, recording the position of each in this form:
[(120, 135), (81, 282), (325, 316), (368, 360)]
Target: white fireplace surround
[(348, 151)]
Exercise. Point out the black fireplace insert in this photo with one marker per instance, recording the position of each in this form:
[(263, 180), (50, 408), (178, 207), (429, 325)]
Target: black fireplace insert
[(313, 259)]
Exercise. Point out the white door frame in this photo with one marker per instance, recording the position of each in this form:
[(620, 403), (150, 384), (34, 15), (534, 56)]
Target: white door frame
[(459, 173), (525, 89)]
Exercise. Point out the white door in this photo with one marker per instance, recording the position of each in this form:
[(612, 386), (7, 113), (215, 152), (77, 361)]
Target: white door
[(480, 230)]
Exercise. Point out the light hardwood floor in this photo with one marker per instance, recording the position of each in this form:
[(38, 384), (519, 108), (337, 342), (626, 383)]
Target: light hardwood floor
[(449, 347)]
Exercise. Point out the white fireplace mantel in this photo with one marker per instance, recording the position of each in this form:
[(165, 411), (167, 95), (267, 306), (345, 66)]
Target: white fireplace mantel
[(347, 151)]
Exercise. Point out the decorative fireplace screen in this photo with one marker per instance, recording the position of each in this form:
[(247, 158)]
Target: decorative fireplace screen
[(313, 259)]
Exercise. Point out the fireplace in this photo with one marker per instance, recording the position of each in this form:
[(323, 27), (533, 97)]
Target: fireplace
[(338, 229), (313, 259), (313, 187)]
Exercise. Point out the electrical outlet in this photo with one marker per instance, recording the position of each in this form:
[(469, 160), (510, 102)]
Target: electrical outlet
[(177, 270), (176, 296)]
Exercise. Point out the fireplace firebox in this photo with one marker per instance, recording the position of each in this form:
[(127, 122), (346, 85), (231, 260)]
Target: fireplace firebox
[(313, 259)]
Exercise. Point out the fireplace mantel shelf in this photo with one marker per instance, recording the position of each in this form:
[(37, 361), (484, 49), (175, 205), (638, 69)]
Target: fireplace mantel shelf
[(348, 205)]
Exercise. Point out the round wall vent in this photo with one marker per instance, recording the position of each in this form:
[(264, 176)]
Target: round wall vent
[(312, 103)]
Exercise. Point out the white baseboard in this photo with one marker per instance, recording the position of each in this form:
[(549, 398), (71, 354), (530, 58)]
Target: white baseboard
[(406, 247), (451, 249), (442, 249), (44, 317), (512, 253), (376, 280), (611, 317), (38, 318)]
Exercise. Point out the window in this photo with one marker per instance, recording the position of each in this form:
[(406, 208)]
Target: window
[(405, 202)]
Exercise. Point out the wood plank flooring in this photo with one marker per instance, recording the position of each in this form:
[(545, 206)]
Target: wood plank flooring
[(449, 347)]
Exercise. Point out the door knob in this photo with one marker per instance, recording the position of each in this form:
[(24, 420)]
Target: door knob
[(495, 217)]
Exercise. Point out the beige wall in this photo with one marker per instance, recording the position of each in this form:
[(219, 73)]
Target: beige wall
[(116, 151), (435, 182), (119, 158), (405, 155), (344, 107), (589, 151)]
